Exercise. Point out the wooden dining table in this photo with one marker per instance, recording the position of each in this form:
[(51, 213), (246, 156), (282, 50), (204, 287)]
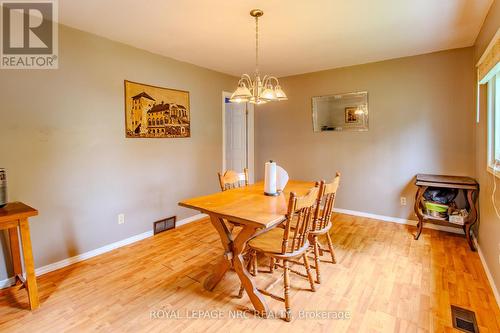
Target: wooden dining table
[(255, 213)]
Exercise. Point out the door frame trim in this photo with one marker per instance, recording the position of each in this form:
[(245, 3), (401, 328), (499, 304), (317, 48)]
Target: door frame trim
[(251, 150)]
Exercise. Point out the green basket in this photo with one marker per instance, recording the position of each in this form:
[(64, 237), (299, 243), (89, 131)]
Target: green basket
[(432, 206)]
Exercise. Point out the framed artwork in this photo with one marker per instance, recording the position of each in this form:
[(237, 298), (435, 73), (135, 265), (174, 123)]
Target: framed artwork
[(350, 115), (156, 112)]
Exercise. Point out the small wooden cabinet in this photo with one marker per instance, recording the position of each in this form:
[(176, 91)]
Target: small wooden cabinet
[(466, 184)]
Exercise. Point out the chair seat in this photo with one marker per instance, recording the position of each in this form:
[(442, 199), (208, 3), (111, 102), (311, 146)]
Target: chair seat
[(271, 242)]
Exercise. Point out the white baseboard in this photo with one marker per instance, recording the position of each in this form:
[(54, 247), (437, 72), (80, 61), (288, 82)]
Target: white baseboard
[(191, 219), (7, 283), (398, 220), (80, 257), (488, 273)]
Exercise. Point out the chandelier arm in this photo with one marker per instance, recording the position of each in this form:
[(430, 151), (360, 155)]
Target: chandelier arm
[(264, 80), (269, 78), (275, 79), (245, 78)]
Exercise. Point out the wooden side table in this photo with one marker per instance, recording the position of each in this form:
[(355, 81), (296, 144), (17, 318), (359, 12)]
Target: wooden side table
[(466, 184), (13, 216)]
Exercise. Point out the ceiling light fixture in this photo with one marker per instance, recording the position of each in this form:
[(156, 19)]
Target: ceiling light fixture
[(258, 91)]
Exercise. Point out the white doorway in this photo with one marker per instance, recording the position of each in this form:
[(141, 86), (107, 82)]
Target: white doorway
[(237, 136)]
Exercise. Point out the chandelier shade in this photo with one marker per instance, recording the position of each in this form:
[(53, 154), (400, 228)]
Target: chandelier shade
[(241, 94), (280, 94), (269, 94), (257, 90)]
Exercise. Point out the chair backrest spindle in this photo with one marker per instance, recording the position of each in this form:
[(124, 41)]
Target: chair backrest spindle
[(300, 208), (329, 192)]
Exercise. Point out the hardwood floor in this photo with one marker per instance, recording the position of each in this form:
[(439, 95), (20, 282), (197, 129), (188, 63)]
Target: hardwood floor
[(387, 281)]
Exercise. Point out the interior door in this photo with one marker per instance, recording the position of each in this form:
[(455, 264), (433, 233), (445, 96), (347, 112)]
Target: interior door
[(236, 136)]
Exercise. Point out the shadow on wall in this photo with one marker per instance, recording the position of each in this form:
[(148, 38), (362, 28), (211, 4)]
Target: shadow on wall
[(69, 238)]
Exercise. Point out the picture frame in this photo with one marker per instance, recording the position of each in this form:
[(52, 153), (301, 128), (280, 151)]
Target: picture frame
[(350, 115), (156, 112)]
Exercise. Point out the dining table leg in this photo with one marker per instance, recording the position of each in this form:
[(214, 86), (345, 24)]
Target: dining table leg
[(239, 244), (233, 256), (225, 263)]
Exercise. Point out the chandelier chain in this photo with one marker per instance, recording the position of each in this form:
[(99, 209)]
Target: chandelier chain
[(257, 45)]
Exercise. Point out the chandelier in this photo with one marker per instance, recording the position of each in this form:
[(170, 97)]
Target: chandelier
[(257, 91)]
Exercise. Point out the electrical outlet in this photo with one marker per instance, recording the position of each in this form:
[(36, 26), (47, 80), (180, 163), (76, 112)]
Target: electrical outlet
[(121, 218), (403, 201)]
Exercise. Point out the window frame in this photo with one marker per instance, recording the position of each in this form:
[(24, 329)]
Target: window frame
[(493, 116)]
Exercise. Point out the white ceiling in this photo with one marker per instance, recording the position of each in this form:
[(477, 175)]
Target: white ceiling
[(297, 36)]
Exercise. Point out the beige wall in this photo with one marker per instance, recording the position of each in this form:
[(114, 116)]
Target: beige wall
[(489, 229), (420, 122), (63, 144)]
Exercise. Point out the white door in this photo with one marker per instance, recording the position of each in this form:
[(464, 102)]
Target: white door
[(236, 127)]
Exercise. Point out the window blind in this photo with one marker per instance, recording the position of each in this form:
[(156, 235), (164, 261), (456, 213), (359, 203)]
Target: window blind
[(488, 66)]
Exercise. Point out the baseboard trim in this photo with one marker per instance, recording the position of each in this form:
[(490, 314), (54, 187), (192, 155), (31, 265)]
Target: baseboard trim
[(398, 220), (83, 256), (7, 283), (191, 219), (488, 273)]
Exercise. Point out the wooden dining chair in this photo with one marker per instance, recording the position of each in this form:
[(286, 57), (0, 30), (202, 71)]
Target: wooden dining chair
[(289, 244), (322, 224), (229, 180), (232, 179)]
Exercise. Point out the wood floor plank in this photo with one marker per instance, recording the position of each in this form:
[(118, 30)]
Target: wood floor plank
[(387, 281)]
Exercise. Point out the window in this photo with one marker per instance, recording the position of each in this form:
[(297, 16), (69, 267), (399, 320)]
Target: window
[(494, 123)]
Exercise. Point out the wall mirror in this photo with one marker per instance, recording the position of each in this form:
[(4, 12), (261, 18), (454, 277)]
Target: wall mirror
[(340, 112)]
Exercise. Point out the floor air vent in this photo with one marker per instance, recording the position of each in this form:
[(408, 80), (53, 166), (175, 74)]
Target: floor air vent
[(164, 225), (464, 320)]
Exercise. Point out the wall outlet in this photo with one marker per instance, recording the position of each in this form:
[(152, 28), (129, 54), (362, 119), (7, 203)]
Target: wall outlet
[(121, 218), (403, 201)]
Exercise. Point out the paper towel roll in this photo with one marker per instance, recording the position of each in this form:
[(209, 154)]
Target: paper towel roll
[(270, 178)]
